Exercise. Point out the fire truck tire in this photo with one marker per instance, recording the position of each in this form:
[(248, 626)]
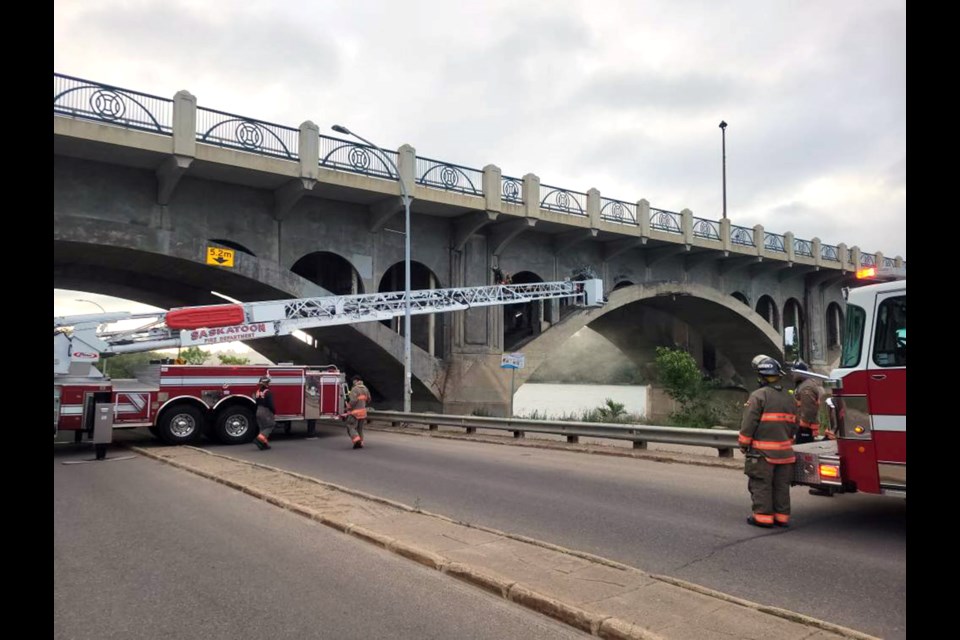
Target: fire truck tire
[(236, 425), (155, 431), (181, 424)]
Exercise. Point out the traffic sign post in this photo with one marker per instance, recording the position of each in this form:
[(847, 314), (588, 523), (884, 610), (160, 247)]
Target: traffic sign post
[(512, 361)]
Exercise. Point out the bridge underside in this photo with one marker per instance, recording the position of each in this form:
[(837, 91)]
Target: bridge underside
[(164, 281)]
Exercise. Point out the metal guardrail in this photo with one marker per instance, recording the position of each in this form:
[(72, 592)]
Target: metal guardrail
[(724, 440)]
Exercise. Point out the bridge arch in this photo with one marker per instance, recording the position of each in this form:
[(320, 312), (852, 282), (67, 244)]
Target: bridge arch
[(793, 330), (427, 331), (741, 297), (767, 309), (167, 269), (834, 332), (230, 244), (331, 271), (724, 322), (524, 320)]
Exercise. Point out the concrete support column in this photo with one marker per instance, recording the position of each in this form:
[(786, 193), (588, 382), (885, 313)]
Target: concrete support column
[(855, 257), (788, 245), (817, 257), (878, 259), (185, 124), (725, 233), (593, 208), (492, 178), (898, 261), (843, 256), (309, 150), (432, 323), (407, 164), (686, 226), (815, 323), (643, 218), (531, 196), (758, 238)]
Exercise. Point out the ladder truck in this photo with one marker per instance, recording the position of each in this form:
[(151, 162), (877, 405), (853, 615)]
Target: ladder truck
[(179, 403), (868, 407)]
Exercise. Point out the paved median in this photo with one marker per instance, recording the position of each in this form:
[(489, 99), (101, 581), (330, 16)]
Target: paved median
[(599, 596)]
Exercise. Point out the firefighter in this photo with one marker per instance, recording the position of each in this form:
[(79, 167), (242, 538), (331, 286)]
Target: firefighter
[(357, 411), (808, 395), (766, 438), (265, 413)]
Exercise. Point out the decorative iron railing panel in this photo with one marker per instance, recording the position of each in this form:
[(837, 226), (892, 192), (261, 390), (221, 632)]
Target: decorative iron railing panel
[(803, 247), (665, 221), (104, 103), (511, 189), (618, 211), (889, 262), (231, 131), (773, 242), (742, 236), (868, 260), (449, 177), (708, 229), (562, 200), (345, 155), (829, 252)]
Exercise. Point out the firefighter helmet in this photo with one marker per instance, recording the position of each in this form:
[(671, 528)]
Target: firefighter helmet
[(766, 366), (799, 365)]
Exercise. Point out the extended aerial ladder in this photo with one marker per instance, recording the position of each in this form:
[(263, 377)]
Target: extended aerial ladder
[(81, 340)]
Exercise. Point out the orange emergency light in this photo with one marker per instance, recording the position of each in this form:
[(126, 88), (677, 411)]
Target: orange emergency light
[(829, 471), (867, 272)]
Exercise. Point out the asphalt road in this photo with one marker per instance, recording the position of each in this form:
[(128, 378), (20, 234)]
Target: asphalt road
[(843, 560), (143, 550)]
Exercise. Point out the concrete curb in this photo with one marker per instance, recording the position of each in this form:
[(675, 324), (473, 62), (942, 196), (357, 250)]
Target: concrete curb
[(604, 627)]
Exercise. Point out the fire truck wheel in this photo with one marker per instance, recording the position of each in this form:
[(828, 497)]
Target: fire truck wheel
[(155, 431), (236, 425), (181, 425)]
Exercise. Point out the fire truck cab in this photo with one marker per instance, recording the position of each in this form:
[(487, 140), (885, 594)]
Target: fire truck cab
[(869, 396)]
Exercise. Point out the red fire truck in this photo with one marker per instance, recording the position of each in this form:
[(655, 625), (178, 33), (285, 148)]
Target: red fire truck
[(869, 396), (179, 403)]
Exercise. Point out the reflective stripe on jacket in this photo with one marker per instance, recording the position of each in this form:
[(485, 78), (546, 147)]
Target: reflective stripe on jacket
[(769, 424), (357, 401)]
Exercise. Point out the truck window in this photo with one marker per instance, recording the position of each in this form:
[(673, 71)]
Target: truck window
[(852, 336), (890, 344)]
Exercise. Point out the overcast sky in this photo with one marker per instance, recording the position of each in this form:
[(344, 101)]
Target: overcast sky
[(623, 96)]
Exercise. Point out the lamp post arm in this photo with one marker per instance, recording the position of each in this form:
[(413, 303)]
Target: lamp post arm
[(384, 156)]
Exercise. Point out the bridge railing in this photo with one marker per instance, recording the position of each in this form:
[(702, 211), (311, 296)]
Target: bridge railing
[(345, 155), (511, 190), (707, 229), (563, 200), (618, 211), (97, 101), (450, 177), (668, 221), (78, 98), (238, 132), (724, 440), (742, 236)]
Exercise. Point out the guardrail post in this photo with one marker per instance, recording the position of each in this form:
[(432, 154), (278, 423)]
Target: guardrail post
[(725, 452)]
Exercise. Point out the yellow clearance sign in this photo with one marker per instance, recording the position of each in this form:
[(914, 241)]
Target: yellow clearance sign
[(220, 257)]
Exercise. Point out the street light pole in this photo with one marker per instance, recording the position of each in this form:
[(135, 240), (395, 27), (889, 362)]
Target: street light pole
[(105, 361), (723, 129), (407, 381)]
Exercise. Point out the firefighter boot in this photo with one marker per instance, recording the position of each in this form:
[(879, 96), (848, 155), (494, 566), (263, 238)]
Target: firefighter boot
[(357, 442), (762, 525), (262, 443)]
